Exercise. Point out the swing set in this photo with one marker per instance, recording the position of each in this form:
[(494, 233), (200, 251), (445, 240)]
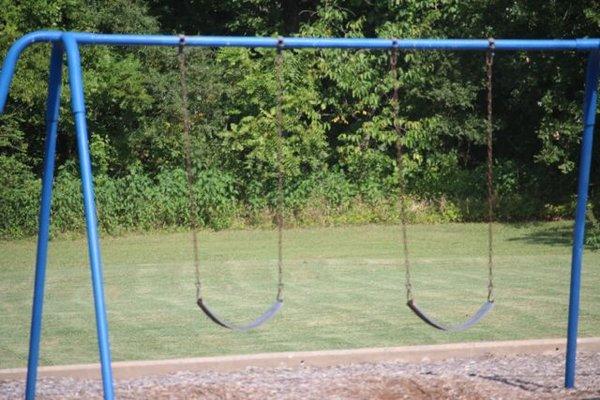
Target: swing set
[(70, 42)]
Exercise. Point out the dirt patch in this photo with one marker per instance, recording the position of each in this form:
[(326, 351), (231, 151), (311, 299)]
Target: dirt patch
[(509, 377)]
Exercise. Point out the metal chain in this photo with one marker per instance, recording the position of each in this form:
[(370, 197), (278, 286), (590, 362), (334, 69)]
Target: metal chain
[(280, 197), (489, 63), (401, 182), (187, 143), (490, 173)]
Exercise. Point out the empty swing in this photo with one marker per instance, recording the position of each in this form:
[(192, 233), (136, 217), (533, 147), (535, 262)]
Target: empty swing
[(193, 209), (487, 306)]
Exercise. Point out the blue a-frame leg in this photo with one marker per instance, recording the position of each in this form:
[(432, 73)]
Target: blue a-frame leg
[(585, 161), (52, 112), (78, 109)]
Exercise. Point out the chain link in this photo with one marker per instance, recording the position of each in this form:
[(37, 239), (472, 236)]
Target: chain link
[(280, 197), (193, 207), (399, 162), (187, 147), (489, 63), (490, 171), (193, 210)]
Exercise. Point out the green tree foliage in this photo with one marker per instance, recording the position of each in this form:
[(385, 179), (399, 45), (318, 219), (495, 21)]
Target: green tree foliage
[(339, 143)]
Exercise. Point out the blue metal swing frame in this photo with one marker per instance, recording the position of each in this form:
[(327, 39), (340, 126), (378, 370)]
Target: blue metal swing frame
[(70, 42)]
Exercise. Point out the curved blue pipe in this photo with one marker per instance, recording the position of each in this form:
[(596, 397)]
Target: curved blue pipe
[(12, 56)]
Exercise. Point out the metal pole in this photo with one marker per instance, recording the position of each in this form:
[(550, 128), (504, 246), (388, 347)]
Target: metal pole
[(87, 184), (589, 116), (338, 43), (52, 111)]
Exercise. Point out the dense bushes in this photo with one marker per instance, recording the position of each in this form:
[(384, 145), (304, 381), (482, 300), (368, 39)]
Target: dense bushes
[(137, 202), (339, 144), (132, 202)]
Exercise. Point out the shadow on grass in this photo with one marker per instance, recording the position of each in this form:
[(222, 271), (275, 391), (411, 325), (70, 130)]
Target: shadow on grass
[(544, 235)]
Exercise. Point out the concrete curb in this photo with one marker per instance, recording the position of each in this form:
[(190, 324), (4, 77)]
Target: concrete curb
[(136, 369)]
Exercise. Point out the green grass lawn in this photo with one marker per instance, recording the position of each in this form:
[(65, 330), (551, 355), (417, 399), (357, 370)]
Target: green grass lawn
[(344, 289)]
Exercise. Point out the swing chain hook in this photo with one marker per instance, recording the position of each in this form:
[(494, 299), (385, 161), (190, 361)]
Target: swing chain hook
[(489, 62)]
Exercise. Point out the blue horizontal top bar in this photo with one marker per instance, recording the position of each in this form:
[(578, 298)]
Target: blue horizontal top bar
[(340, 43), (585, 44), (83, 38)]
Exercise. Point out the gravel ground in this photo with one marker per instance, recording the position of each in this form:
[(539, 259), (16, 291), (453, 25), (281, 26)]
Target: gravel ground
[(514, 377)]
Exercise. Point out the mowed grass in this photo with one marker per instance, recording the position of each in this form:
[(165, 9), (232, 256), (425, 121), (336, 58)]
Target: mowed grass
[(344, 288)]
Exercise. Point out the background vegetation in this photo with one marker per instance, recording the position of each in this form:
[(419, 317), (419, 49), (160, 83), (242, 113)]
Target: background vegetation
[(339, 158)]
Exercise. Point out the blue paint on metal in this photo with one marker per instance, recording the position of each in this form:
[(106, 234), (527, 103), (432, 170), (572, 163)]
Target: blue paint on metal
[(52, 111), (71, 41), (87, 185), (12, 56), (339, 43), (589, 117), (83, 38)]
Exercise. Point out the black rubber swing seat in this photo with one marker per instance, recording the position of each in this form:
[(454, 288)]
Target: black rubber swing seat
[(266, 316), (474, 319)]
